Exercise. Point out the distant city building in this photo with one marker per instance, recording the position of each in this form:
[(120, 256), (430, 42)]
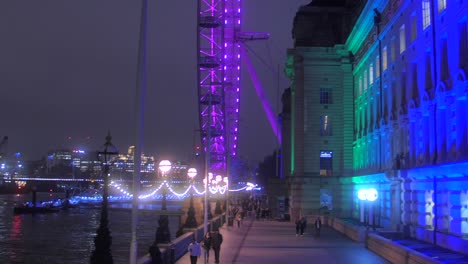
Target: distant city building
[(12, 166), (85, 164), (123, 164), (179, 170), (379, 100), (72, 164)]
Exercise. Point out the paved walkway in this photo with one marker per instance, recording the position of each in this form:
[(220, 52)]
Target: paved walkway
[(258, 242)]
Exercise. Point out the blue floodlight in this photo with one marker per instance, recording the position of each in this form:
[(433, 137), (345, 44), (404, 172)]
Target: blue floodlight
[(368, 194)]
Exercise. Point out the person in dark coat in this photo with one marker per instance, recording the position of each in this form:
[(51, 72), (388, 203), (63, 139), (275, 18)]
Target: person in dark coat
[(303, 225), (207, 245), (216, 241), (298, 226), (318, 226)]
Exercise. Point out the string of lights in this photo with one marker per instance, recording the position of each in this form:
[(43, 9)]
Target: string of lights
[(154, 194)]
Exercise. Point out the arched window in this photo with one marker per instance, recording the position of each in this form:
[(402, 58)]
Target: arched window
[(426, 13), (444, 65)]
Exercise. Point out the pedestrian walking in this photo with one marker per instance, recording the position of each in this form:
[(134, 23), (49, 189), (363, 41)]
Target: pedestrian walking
[(195, 251), (303, 225), (216, 241), (207, 246), (239, 219), (318, 226), (298, 226)]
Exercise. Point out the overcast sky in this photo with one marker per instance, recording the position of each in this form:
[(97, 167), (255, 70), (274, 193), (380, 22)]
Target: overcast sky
[(68, 69)]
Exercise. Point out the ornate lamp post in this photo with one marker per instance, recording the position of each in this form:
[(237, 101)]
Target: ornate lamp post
[(227, 213), (207, 208), (103, 239), (191, 222), (217, 183), (163, 234)]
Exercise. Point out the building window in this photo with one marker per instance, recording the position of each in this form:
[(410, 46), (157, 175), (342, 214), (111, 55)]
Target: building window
[(365, 81), (360, 85), (384, 58), (325, 96), (463, 44), (442, 4), (371, 73), (402, 39), (428, 73), (414, 28), (426, 13), (444, 64), (392, 50), (377, 67), (326, 163), (325, 127)]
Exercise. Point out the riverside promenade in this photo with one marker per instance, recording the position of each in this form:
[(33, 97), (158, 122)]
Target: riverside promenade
[(258, 242)]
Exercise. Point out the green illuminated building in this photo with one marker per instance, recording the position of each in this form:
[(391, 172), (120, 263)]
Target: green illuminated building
[(378, 99)]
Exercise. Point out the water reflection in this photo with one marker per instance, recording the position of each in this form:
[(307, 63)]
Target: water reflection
[(15, 233), (68, 236)]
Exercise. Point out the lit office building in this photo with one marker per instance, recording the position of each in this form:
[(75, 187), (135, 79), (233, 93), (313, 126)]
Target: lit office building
[(72, 164), (123, 165)]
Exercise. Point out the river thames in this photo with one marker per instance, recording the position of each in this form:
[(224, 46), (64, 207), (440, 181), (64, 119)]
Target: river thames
[(68, 236)]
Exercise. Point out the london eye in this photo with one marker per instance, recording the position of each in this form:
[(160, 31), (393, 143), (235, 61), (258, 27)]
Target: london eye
[(220, 45), (218, 80)]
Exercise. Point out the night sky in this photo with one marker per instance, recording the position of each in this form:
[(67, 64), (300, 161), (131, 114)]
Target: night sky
[(68, 69)]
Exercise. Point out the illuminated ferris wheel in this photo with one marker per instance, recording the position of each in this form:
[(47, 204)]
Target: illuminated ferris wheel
[(219, 79), (219, 70)]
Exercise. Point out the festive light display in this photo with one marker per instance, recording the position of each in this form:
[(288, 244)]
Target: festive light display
[(220, 188)]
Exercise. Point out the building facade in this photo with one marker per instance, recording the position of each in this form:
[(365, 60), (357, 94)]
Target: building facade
[(77, 163), (383, 108), (318, 128)]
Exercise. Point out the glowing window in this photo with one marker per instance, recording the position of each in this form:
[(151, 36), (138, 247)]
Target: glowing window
[(442, 5), (365, 81), (384, 58), (426, 13), (325, 127), (371, 73), (326, 163), (377, 67), (392, 50), (402, 39)]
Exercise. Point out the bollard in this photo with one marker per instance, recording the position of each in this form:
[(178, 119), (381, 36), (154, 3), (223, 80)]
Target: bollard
[(172, 254), (155, 254)]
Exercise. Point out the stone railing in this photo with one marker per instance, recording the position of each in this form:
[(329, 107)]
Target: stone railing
[(394, 252), (382, 244), (354, 232), (172, 252)]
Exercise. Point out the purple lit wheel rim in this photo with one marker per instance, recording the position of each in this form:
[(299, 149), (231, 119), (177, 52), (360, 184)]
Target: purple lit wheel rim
[(218, 79)]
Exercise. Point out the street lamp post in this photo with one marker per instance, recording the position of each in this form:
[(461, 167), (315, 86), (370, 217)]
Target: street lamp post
[(163, 234), (226, 181), (191, 222), (207, 209), (103, 239), (368, 196), (217, 183)]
